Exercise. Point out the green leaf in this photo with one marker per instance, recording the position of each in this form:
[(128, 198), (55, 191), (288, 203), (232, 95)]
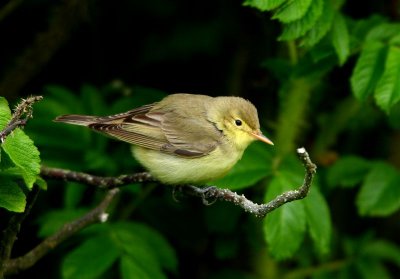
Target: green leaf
[(383, 32), (52, 221), (380, 192), (292, 10), (24, 154), (340, 38), (139, 249), (387, 91), (5, 113), (264, 5), (318, 220), (284, 228), (383, 250), (90, 259), (371, 269), (321, 27), (162, 250), (130, 269), (299, 27), (12, 197), (368, 69), (254, 166), (348, 171)]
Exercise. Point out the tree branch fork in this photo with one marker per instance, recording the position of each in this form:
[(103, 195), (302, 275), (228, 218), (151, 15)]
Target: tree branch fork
[(23, 113)]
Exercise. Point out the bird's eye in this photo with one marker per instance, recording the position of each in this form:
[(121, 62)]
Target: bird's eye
[(238, 122)]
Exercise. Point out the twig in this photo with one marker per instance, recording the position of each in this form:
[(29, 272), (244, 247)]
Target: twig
[(208, 193), (22, 113), (259, 210), (12, 230), (99, 181), (96, 215)]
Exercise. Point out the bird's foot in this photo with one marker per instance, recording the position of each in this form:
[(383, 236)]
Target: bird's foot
[(205, 193)]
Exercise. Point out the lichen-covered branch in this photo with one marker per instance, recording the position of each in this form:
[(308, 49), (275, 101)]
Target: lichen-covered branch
[(96, 215), (93, 180), (259, 210), (206, 193), (22, 113)]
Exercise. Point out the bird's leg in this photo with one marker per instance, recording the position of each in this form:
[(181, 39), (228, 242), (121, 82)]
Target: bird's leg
[(203, 192)]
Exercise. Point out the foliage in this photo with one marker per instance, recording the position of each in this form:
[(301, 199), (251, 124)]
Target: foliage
[(322, 73)]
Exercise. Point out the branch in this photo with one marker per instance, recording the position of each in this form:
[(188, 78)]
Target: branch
[(22, 113), (96, 215), (259, 210), (206, 193), (10, 233), (93, 180)]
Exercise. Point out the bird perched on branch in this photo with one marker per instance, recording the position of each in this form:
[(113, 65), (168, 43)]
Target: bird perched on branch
[(184, 138)]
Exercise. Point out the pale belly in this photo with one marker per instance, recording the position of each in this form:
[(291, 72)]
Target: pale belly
[(175, 170)]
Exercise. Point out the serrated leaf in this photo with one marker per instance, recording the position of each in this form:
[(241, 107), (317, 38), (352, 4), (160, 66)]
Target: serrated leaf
[(348, 171), (299, 27), (318, 220), (380, 192), (5, 113), (368, 69), (292, 10), (340, 38), (321, 26), (130, 269), (24, 154), (264, 5), (254, 166), (284, 228), (90, 259), (12, 197), (387, 91)]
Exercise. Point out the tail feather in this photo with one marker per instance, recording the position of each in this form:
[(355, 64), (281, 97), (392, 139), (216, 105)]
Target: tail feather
[(83, 120)]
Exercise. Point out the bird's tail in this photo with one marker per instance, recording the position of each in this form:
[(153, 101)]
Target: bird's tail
[(76, 119)]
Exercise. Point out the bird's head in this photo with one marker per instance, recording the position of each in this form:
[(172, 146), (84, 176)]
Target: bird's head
[(238, 119)]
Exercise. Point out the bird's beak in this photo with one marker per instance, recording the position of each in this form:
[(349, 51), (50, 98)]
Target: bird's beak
[(258, 135)]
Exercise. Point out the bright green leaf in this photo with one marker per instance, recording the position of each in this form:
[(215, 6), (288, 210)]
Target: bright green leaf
[(292, 10), (5, 113), (340, 38), (130, 269), (348, 171), (264, 5), (387, 91), (380, 192), (299, 27), (368, 69), (284, 228), (90, 259), (12, 197), (321, 27), (318, 219), (24, 154), (254, 166)]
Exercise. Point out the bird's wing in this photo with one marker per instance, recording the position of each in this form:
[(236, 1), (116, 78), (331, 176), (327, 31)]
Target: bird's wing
[(167, 132)]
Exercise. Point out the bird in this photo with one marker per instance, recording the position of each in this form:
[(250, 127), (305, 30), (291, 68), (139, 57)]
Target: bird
[(184, 138)]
